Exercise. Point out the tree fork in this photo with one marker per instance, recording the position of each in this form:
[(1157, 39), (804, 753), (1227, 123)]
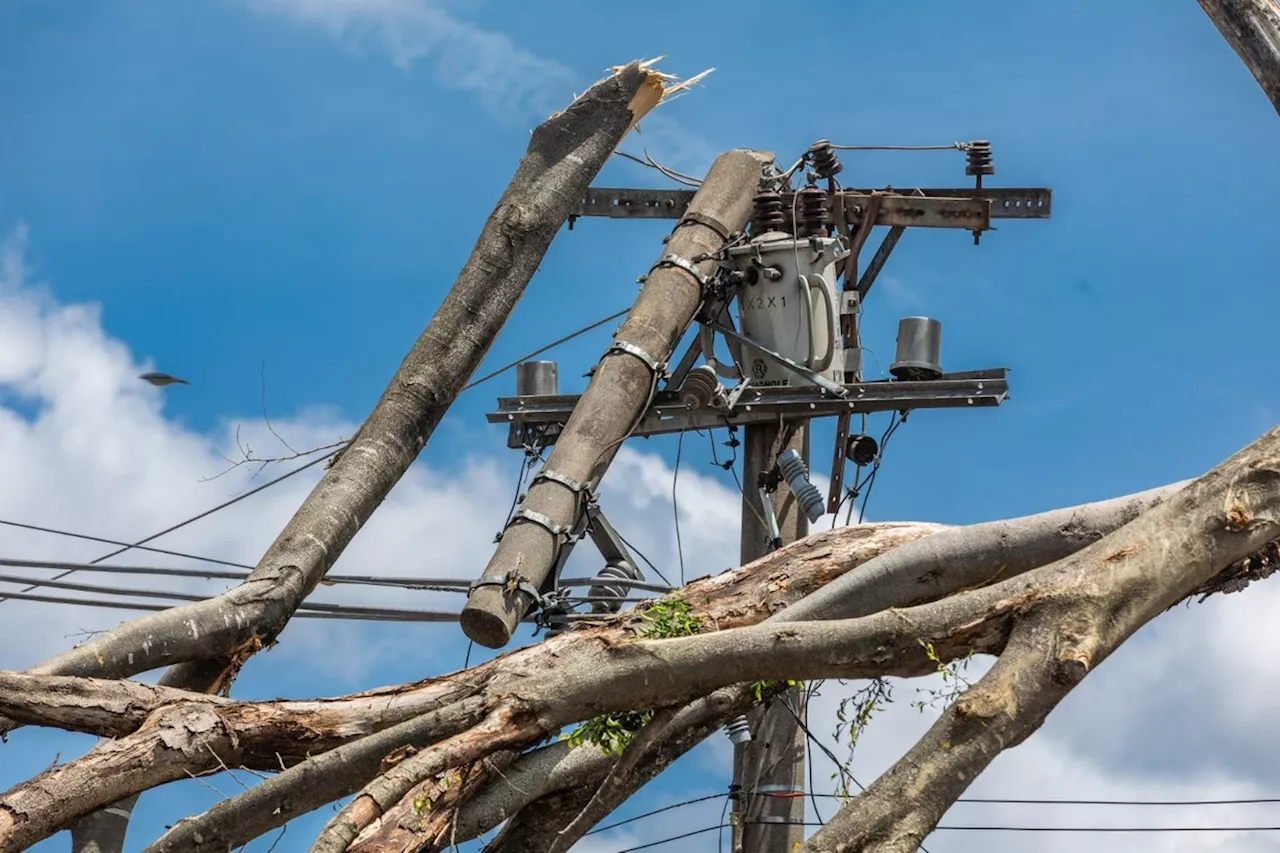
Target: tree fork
[(614, 400)]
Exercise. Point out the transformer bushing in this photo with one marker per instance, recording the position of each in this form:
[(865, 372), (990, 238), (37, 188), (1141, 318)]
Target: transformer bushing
[(738, 730), (797, 477)]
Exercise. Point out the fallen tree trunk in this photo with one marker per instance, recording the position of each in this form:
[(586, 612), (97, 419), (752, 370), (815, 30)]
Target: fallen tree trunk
[(915, 572), (564, 155), (1063, 621), (907, 563), (743, 596)]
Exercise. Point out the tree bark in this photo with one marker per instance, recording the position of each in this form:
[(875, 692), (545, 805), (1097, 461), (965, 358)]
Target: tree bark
[(739, 597), (915, 572), (564, 155), (1252, 28), (1064, 620), (615, 399)]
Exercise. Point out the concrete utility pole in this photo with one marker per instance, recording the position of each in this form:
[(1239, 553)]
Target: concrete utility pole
[(616, 398), (769, 770)]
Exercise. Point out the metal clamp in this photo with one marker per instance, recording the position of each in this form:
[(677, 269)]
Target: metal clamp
[(557, 530), (684, 264), (564, 480), (658, 367), (511, 580)]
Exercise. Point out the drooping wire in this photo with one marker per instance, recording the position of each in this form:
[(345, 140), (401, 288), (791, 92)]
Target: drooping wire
[(646, 560), (678, 177), (659, 811), (675, 504)]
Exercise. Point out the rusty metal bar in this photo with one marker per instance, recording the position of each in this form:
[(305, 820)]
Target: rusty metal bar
[(1004, 203)]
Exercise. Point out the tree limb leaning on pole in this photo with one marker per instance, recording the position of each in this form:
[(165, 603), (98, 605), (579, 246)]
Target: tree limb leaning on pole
[(564, 155)]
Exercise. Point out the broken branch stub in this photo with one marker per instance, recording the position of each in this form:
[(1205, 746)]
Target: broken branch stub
[(616, 397)]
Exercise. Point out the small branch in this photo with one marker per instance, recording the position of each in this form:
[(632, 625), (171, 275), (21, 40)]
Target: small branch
[(310, 784), (612, 790), (506, 726)]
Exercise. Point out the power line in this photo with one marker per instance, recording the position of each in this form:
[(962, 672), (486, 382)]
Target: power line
[(287, 475), (541, 350), (191, 520), (691, 802), (672, 838), (136, 547)]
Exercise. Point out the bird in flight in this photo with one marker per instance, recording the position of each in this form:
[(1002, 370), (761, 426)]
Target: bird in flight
[(162, 379)]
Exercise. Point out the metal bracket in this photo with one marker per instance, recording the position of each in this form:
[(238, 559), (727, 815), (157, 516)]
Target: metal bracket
[(667, 413), (913, 207)]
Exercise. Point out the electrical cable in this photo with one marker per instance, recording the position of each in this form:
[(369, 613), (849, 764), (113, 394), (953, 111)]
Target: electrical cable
[(680, 837), (649, 814), (647, 160), (282, 477), (136, 547), (648, 563), (675, 504), (541, 350), (955, 146), (420, 584), (194, 518)]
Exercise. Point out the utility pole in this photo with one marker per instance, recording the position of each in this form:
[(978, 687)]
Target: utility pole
[(616, 398), (768, 770), (795, 355)]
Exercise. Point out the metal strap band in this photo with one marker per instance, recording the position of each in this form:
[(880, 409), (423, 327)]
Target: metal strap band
[(703, 219), (563, 479), (557, 530), (658, 367), (507, 580), (684, 264)]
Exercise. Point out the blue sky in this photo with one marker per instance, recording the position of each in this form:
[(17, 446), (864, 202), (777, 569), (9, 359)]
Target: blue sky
[(295, 184)]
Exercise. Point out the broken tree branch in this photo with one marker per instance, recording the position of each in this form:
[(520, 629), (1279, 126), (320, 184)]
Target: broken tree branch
[(1069, 617)]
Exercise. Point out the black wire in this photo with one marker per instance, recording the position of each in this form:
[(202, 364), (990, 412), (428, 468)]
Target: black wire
[(998, 828), (541, 350), (675, 504), (667, 808), (672, 838), (646, 560), (720, 835), (193, 519), (137, 547)]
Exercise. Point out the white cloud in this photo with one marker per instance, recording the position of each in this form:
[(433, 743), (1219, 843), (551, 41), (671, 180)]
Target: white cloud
[(508, 79), (1183, 711)]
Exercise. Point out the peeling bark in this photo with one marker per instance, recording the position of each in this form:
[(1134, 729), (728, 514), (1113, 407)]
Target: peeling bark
[(735, 598)]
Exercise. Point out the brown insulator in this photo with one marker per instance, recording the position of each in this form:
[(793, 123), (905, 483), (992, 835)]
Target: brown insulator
[(812, 213), (825, 162), (768, 215), (979, 159)]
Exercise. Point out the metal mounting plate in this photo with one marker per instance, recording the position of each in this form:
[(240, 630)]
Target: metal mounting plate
[(943, 207), (757, 405)]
